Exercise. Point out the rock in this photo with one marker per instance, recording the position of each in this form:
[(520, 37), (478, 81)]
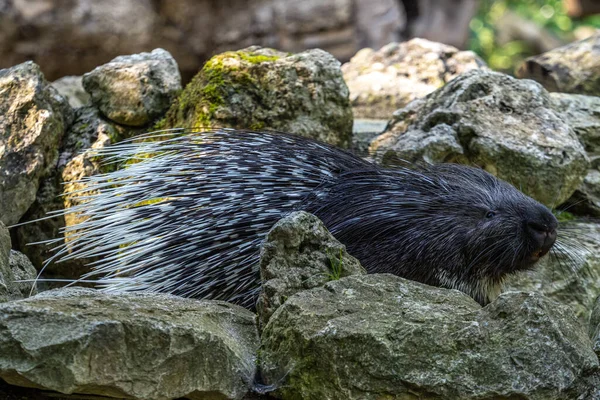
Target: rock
[(23, 270), (507, 126), (71, 87), (586, 199), (574, 68), (383, 81), (582, 114), (144, 346), (298, 254), (14, 266), (595, 326), (364, 131), (134, 90), (571, 274), (34, 119), (260, 88), (381, 336), (76, 161)]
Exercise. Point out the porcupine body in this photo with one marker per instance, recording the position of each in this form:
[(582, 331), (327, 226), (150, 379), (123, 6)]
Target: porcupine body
[(189, 217)]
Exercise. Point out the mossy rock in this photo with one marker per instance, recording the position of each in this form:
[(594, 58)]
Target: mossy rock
[(259, 88)]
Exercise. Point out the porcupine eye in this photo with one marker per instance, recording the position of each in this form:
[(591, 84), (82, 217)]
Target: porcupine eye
[(490, 214)]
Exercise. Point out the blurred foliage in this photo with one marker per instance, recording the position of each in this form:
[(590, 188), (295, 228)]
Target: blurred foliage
[(549, 15)]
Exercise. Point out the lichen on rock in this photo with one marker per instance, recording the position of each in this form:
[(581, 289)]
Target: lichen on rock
[(259, 88), (381, 336), (139, 346), (299, 253)]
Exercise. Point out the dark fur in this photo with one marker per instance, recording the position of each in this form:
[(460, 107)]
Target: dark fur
[(431, 225), (221, 191)]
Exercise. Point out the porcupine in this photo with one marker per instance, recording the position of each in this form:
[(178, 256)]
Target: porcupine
[(189, 216)]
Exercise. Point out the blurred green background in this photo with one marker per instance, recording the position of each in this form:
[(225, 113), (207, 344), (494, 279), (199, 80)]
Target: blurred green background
[(505, 32)]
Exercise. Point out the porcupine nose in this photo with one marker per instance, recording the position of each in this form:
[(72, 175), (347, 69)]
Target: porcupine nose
[(543, 235)]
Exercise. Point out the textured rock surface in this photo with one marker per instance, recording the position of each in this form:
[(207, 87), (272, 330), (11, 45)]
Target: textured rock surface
[(298, 254), (14, 266), (260, 88), (33, 119), (507, 126), (71, 88), (379, 336), (571, 274), (380, 82), (88, 131), (23, 270), (582, 113), (128, 345), (134, 90), (595, 326), (574, 68)]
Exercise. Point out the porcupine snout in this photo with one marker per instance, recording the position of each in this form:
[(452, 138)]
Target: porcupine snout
[(542, 231)]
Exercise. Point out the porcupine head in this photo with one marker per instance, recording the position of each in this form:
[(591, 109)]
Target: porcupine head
[(447, 225)]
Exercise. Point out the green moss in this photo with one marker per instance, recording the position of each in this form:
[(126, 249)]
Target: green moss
[(563, 216), (254, 58), (209, 91), (337, 266), (257, 126), (151, 201)]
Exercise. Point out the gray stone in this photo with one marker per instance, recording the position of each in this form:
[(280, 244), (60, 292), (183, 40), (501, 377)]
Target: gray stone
[(595, 326), (380, 336), (143, 346), (259, 88), (571, 273), (574, 68), (136, 89), (33, 120), (14, 267), (582, 114), (71, 87), (586, 199), (298, 254), (507, 126), (385, 80), (24, 271)]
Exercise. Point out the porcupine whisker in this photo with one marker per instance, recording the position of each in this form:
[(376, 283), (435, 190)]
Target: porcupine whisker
[(570, 205), (580, 235), (573, 255)]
